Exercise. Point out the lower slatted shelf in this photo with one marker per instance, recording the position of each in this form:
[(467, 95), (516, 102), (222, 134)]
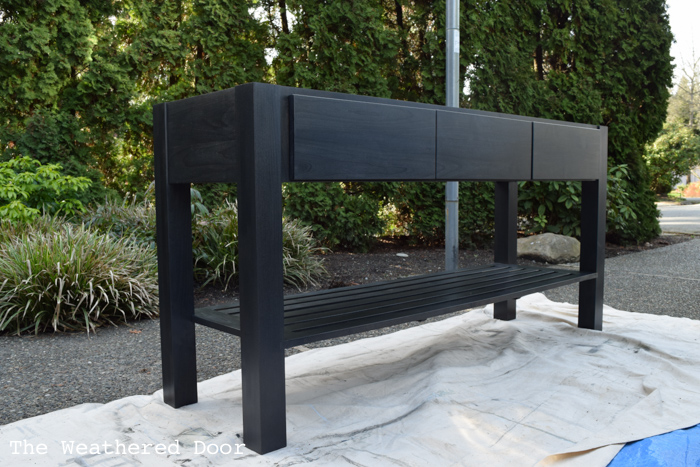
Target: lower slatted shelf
[(338, 312)]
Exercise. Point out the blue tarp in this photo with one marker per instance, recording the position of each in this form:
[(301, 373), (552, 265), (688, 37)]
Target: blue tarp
[(675, 449)]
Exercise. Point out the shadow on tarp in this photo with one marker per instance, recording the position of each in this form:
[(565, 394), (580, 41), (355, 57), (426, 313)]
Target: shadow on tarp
[(675, 449)]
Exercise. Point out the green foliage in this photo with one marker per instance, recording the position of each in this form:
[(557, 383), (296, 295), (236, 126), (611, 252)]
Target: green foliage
[(128, 219), (72, 278), (28, 187), (417, 72), (215, 244), (214, 195), (340, 215), (620, 215), (132, 219), (683, 105), (421, 212), (44, 224), (672, 155), (182, 48), (62, 78), (549, 207), (56, 137), (476, 213), (43, 44), (78, 79), (336, 46), (300, 255), (604, 62), (197, 202), (555, 207)]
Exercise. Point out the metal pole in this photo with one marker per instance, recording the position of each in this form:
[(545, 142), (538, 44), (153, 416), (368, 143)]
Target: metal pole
[(452, 91)]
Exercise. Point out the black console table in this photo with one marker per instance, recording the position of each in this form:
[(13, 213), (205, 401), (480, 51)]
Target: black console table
[(261, 135)]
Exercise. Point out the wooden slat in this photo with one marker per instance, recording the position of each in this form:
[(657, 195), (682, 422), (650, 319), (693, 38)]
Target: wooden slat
[(477, 147), (337, 312), (365, 300), (333, 139), (407, 299), (342, 294), (382, 290), (222, 321), (419, 311)]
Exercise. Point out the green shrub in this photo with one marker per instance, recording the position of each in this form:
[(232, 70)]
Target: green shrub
[(673, 154), (132, 219), (73, 279), (632, 213), (213, 195), (127, 219), (556, 207), (215, 245), (27, 187), (339, 214), (421, 208), (476, 213), (542, 207), (621, 216), (550, 207)]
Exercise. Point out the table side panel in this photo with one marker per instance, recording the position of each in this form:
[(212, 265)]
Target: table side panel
[(202, 146), (334, 139)]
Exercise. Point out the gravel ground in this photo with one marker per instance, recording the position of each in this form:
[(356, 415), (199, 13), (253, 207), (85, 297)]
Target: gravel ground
[(663, 281), (44, 373)]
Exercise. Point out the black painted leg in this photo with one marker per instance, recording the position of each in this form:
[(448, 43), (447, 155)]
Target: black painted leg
[(175, 282), (506, 238), (590, 315), (504, 311), (261, 278)]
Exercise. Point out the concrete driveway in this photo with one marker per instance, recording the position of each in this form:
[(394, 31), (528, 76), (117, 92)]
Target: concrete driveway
[(680, 218)]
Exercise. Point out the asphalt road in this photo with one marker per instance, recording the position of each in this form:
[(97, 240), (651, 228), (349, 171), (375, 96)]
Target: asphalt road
[(662, 281), (680, 218)]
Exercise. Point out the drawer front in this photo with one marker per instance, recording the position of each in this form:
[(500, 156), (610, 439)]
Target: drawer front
[(332, 139), (478, 147), (563, 152)]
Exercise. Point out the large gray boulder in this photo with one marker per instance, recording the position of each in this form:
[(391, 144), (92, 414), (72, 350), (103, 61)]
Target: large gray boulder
[(550, 248)]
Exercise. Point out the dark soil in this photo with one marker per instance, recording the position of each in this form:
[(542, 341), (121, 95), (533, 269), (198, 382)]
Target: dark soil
[(392, 258)]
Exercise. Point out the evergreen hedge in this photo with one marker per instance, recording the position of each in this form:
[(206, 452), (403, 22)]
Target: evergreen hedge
[(78, 79)]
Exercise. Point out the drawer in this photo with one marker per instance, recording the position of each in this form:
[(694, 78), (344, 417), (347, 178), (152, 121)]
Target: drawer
[(562, 152), (333, 139), (479, 147)]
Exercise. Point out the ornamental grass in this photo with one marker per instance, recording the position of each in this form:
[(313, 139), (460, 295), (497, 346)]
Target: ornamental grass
[(127, 219), (62, 277), (215, 245)]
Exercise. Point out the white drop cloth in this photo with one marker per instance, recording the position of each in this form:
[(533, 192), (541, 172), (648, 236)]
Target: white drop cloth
[(468, 390)]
